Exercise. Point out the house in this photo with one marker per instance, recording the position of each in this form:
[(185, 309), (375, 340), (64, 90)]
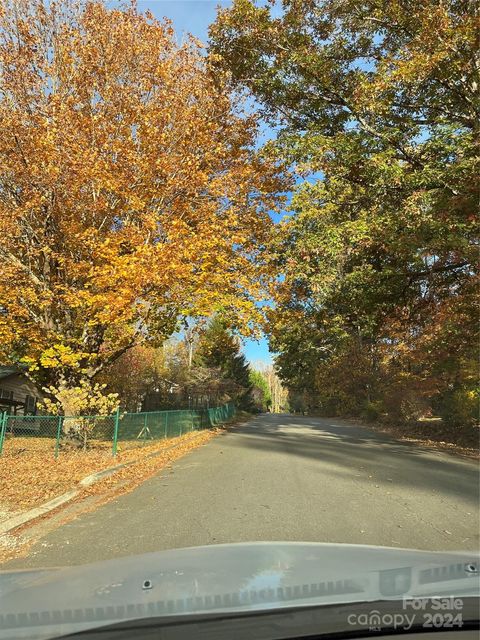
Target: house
[(18, 394)]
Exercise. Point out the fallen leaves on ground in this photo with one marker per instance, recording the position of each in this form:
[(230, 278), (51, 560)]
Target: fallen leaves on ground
[(145, 465), (462, 441), (66, 472), (30, 475)]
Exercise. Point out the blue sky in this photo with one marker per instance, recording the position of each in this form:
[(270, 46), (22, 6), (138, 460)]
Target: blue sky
[(188, 16), (194, 16)]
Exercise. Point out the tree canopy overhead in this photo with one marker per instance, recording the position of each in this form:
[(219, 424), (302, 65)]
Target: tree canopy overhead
[(378, 102), (130, 188)]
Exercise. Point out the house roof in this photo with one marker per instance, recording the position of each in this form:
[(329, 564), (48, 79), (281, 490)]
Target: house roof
[(7, 371)]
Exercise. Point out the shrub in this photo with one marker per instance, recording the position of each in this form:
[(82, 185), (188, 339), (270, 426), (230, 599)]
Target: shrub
[(459, 408), (405, 405), (372, 411), (339, 404)]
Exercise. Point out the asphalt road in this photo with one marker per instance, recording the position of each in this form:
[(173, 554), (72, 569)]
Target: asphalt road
[(283, 477)]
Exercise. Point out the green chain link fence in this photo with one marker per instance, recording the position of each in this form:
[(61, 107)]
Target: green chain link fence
[(120, 430)]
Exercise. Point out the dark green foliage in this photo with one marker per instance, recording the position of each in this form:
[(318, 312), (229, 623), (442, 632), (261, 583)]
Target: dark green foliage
[(219, 349)]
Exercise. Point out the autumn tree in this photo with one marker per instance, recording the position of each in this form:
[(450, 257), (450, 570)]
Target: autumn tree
[(378, 103), (148, 377), (130, 190), (133, 374)]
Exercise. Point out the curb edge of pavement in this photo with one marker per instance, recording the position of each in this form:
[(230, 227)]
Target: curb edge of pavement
[(46, 507)]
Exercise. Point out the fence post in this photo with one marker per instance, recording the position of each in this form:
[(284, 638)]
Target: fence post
[(3, 428), (145, 428), (115, 432), (59, 431), (166, 425)]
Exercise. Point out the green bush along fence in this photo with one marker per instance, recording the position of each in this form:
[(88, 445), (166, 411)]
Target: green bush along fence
[(120, 430)]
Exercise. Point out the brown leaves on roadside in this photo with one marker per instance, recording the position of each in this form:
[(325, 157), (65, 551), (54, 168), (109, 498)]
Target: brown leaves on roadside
[(52, 477), (30, 475), (463, 441)]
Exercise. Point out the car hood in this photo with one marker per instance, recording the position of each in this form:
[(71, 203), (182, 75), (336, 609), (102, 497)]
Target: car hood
[(230, 577)]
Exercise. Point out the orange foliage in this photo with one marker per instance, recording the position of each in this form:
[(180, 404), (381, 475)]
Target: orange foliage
[(130, 190)]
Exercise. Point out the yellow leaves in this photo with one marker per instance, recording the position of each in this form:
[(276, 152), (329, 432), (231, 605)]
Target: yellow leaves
[(132, 180), (59, 356), (86, 398)]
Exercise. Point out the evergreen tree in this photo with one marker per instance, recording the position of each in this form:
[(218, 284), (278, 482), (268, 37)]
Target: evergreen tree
[(219, 349)]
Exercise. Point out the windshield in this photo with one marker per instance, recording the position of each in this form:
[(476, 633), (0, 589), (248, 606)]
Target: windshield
[(238, 304)]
